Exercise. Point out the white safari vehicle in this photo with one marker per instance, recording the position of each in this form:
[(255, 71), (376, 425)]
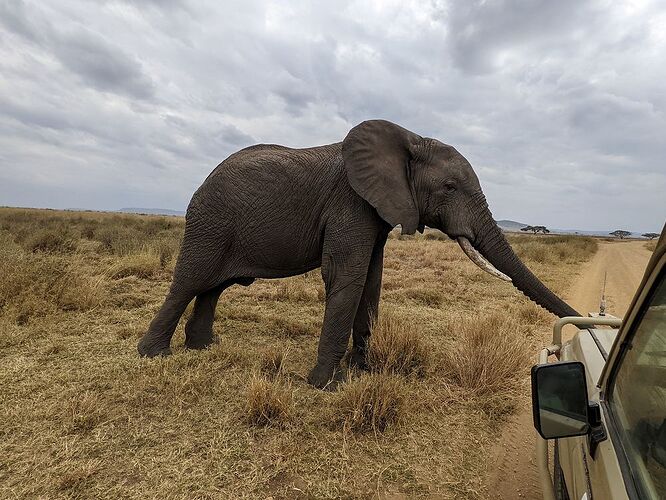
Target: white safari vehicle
[(604, 402)]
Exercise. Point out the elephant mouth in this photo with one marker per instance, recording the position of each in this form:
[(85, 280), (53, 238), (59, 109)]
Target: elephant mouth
[(480, 260)]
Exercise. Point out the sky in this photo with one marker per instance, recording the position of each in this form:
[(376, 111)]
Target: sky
[(559, 106)]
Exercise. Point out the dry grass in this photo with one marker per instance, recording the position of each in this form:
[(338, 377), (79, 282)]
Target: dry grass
[(651, 245), (553, 249), (272, 362), (371, 403), (82, 416), (268, 401), (488, 360), (396, 347), (488, 355), (142, 265)]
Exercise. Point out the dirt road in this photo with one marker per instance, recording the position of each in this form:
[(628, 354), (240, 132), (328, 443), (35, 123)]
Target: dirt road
[(514, 473)]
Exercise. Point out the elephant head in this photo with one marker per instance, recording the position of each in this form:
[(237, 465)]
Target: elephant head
[(416, 181)]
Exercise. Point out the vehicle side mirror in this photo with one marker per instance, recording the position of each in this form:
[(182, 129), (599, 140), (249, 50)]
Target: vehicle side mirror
[(559, 400)]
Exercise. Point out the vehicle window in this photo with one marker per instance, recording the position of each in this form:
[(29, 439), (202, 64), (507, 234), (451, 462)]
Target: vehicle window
[(638, 398)]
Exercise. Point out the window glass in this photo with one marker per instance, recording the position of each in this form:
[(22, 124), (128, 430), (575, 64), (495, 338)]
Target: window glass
[(638, 399)]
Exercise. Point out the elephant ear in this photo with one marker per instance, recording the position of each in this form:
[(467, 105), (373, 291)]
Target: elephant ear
[(377, 156)]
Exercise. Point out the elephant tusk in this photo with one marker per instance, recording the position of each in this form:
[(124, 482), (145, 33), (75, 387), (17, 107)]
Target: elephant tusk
[(479, 259)]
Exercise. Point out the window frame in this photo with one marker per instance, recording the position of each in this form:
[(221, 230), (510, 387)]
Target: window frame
[(635, 488)]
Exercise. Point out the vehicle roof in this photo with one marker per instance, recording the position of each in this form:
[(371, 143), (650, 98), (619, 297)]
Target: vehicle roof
[(604, 338)]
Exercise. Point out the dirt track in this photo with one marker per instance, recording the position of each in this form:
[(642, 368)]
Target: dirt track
[(515, 474)]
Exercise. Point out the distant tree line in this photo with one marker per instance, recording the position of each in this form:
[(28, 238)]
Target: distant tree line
[(536, 229), (620, 233), (650, 236)]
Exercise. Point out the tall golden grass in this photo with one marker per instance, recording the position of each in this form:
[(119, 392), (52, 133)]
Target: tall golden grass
[(82, 416)]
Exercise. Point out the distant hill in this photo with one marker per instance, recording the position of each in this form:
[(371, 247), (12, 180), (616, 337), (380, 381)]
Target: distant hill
[(510, 225), (152, 211)]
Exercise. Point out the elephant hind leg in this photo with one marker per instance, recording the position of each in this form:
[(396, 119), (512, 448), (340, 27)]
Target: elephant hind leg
[(156, 341), (199, 328)]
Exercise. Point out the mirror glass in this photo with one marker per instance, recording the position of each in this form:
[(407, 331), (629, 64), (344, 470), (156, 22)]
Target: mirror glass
[(561, 394)]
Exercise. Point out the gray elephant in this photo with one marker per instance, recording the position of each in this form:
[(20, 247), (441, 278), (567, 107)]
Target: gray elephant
[(270, 211)]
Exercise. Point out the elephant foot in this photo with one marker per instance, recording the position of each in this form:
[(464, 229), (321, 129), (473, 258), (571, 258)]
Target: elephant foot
[(325, 378), (200, 342), (357, 360), (150, 348)]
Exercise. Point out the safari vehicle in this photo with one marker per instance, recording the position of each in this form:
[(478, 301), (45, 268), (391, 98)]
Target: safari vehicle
[(604, 402)]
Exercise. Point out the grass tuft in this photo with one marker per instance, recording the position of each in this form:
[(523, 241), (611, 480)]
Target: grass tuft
[(269, 402), (371, 403), (50, 240), (142, 265), (490, 356), (395, 347), (271, 362), (84, 413)]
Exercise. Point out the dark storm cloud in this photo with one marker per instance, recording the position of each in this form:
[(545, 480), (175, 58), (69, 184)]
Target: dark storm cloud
[(558, 105)]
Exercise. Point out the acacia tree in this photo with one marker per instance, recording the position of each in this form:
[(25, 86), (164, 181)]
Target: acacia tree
[(650, 236), (620, 233), (536, 229)]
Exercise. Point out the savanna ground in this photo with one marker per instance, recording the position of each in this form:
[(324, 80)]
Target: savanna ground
[(81, 415)]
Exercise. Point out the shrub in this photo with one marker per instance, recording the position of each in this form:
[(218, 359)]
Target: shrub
[(268, 401), (372, 403), (395, 347)]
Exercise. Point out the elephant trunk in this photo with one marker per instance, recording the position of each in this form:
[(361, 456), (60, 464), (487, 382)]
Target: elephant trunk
[(492, 245)]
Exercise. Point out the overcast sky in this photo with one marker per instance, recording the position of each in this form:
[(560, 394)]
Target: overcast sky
[(559, 105)]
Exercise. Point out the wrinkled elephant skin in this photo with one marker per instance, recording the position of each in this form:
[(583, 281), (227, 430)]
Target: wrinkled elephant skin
[(270, 211)]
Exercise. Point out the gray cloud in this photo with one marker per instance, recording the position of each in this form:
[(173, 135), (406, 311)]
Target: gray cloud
[(558, 105), (98, 62)]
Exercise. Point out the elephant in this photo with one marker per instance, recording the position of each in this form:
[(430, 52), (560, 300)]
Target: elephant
[(270, 211)]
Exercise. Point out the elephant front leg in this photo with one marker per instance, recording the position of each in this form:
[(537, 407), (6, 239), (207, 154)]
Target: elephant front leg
[(344, 277), (338, 320), (368, 309)]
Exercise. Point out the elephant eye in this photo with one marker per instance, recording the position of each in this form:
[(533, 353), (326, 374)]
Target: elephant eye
[(450, 186)]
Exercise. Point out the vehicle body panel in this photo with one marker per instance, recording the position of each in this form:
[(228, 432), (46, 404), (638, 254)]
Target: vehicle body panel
[(582, 473), (606, 474)]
